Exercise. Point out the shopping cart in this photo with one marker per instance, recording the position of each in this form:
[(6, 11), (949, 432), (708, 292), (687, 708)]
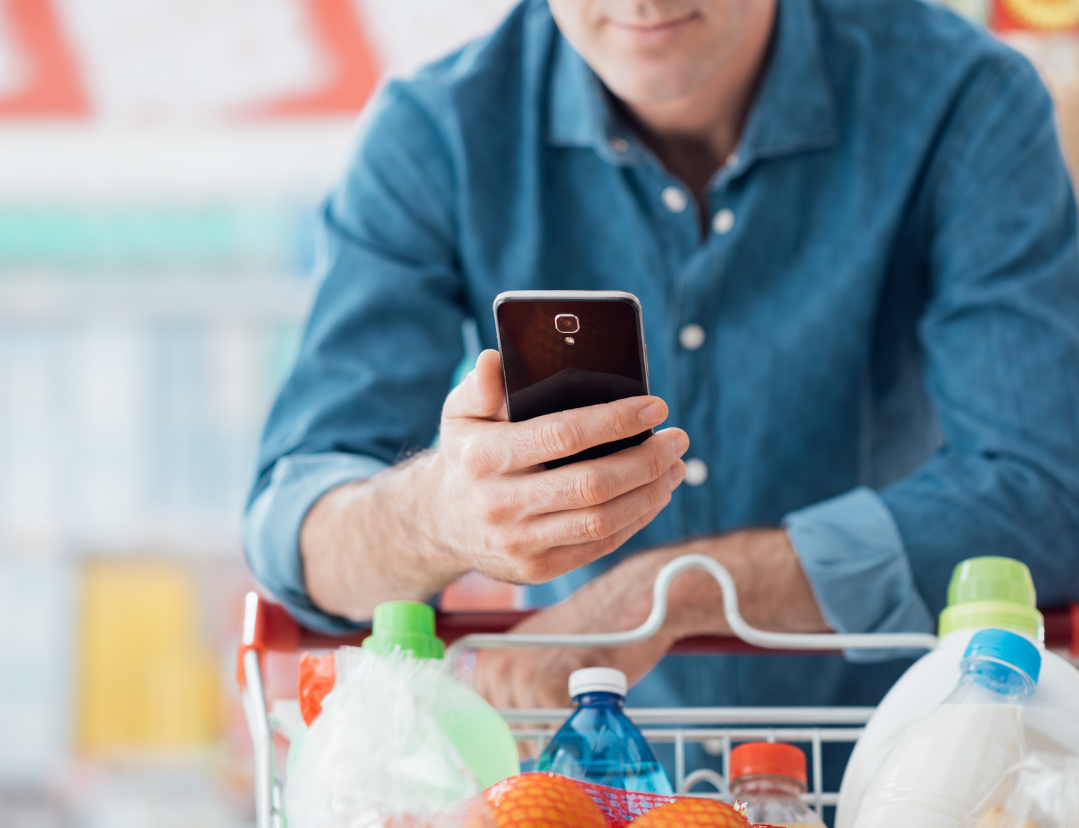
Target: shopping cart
[(268, 628)]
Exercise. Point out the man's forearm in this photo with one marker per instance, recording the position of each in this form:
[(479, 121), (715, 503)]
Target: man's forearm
[(773, 593), (773, 590), (370, 541)]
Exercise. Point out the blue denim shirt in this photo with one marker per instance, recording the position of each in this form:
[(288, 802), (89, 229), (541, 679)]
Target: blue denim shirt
[(888, 288)]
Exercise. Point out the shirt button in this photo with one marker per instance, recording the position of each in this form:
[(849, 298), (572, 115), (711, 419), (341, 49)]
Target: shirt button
[(691, 336), (696, 471), (619, 144), (674, 199), (723, 221), (732, 160)]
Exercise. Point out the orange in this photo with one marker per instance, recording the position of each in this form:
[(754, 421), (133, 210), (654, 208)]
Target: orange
[(542, 800), (691, 813)]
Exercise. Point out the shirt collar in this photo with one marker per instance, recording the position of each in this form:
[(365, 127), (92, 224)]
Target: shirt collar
[(794, 110), (581, 114)]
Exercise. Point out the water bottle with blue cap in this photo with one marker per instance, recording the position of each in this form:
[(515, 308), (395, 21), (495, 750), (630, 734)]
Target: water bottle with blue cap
[(599, 743), (999, 667), (944, 764)]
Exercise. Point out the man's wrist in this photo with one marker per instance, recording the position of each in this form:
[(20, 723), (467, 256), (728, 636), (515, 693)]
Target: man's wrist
[(773, 592), (691, 606), (373, 540), (696, 601), (423, 520)]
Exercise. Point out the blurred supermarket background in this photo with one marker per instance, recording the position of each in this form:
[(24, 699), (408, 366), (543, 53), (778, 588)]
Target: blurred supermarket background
[(161, 162)]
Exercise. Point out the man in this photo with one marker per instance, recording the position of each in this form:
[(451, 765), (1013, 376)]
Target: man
[(854, 239)]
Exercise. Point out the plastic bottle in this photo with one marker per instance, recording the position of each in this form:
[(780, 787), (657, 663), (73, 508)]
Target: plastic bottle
[(986, 592), (947, 762), (599, 743), (769, 779), (479, 733)]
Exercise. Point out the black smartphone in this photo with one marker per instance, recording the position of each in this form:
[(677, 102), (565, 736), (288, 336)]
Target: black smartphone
[(564, 349)]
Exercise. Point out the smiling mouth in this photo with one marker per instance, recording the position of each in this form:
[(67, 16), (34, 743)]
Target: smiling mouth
[(653, 34)]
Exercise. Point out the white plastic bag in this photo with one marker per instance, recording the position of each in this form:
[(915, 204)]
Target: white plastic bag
[(1041, 791), (376, 749)]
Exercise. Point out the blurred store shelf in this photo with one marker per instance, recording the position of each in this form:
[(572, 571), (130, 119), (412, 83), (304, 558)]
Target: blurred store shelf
[(178, 790), (161, 167), (143, 240), (107, 163), (135, 417), (196, 298)]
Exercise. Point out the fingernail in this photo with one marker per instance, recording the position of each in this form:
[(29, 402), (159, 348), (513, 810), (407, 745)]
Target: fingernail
[(680, 443), (653, 414), (678, 474)]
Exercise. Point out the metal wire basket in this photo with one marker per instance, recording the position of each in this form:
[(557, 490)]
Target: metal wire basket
[(268, 628)]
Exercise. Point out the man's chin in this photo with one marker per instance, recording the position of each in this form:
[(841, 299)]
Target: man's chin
[(652, 88)]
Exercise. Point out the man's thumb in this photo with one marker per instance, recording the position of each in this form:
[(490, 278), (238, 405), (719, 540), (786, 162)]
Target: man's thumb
[(481, 394)]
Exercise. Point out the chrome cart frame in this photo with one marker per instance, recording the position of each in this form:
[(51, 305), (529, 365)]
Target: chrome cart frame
[(268, 628)]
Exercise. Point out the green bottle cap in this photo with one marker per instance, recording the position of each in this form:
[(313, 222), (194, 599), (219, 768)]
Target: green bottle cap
[(409, 625), (992, 592)]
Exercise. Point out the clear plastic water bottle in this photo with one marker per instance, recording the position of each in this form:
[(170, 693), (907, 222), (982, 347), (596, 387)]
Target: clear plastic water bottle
[(944, 764), (769, 778), (599, 743)]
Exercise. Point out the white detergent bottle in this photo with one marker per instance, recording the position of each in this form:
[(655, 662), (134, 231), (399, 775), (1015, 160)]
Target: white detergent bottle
[(984, 593), (944, 764)]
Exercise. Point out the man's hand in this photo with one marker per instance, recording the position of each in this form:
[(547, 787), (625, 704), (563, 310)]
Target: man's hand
[(618, 600), (773, 593), (483, 500), (500, 512)]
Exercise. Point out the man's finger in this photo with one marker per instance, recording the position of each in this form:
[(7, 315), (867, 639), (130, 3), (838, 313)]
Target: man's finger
[(594, 482), (554, 436), (597, 523), (481, 394), (599, 526), (568, 558)]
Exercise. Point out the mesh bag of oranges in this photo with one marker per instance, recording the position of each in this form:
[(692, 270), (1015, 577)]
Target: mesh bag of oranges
[(547, 800)]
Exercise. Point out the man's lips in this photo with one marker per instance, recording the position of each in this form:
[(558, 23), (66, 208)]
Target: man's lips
[(652, 34)]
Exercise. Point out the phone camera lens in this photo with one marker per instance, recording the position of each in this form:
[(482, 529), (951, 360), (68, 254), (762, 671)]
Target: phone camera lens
[(567, 323)]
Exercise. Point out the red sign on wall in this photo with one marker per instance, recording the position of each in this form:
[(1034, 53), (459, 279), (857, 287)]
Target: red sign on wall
[(355, 71), (50, 69), (49, 84)]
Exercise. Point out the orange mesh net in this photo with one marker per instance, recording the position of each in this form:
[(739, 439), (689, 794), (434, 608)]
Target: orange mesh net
[(547, 800)]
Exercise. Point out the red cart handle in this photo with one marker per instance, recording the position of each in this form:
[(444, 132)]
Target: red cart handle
[(269, 628)]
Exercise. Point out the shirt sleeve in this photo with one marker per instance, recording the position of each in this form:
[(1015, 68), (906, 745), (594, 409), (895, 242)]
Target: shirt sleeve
[(853, 555), (1000, 336), (272, 527), (381, 344)]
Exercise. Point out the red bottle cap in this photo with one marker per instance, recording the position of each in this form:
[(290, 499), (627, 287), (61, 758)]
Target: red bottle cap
[(772, 758)]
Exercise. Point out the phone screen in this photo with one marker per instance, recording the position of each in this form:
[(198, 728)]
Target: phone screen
[(570, 353)]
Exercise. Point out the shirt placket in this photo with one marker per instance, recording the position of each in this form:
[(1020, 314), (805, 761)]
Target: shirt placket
[(698, 281)]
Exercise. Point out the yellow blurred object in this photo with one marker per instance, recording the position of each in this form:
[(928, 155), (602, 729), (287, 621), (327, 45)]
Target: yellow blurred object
[(1044, 14), (144, 681), (999, 818)]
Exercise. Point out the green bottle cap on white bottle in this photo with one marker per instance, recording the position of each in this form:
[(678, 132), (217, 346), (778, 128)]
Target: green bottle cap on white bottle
[(409, 625), (476, 729), (992, 592)]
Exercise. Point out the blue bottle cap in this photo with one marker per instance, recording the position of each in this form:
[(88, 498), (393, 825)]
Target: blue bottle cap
[(1008, 647)]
